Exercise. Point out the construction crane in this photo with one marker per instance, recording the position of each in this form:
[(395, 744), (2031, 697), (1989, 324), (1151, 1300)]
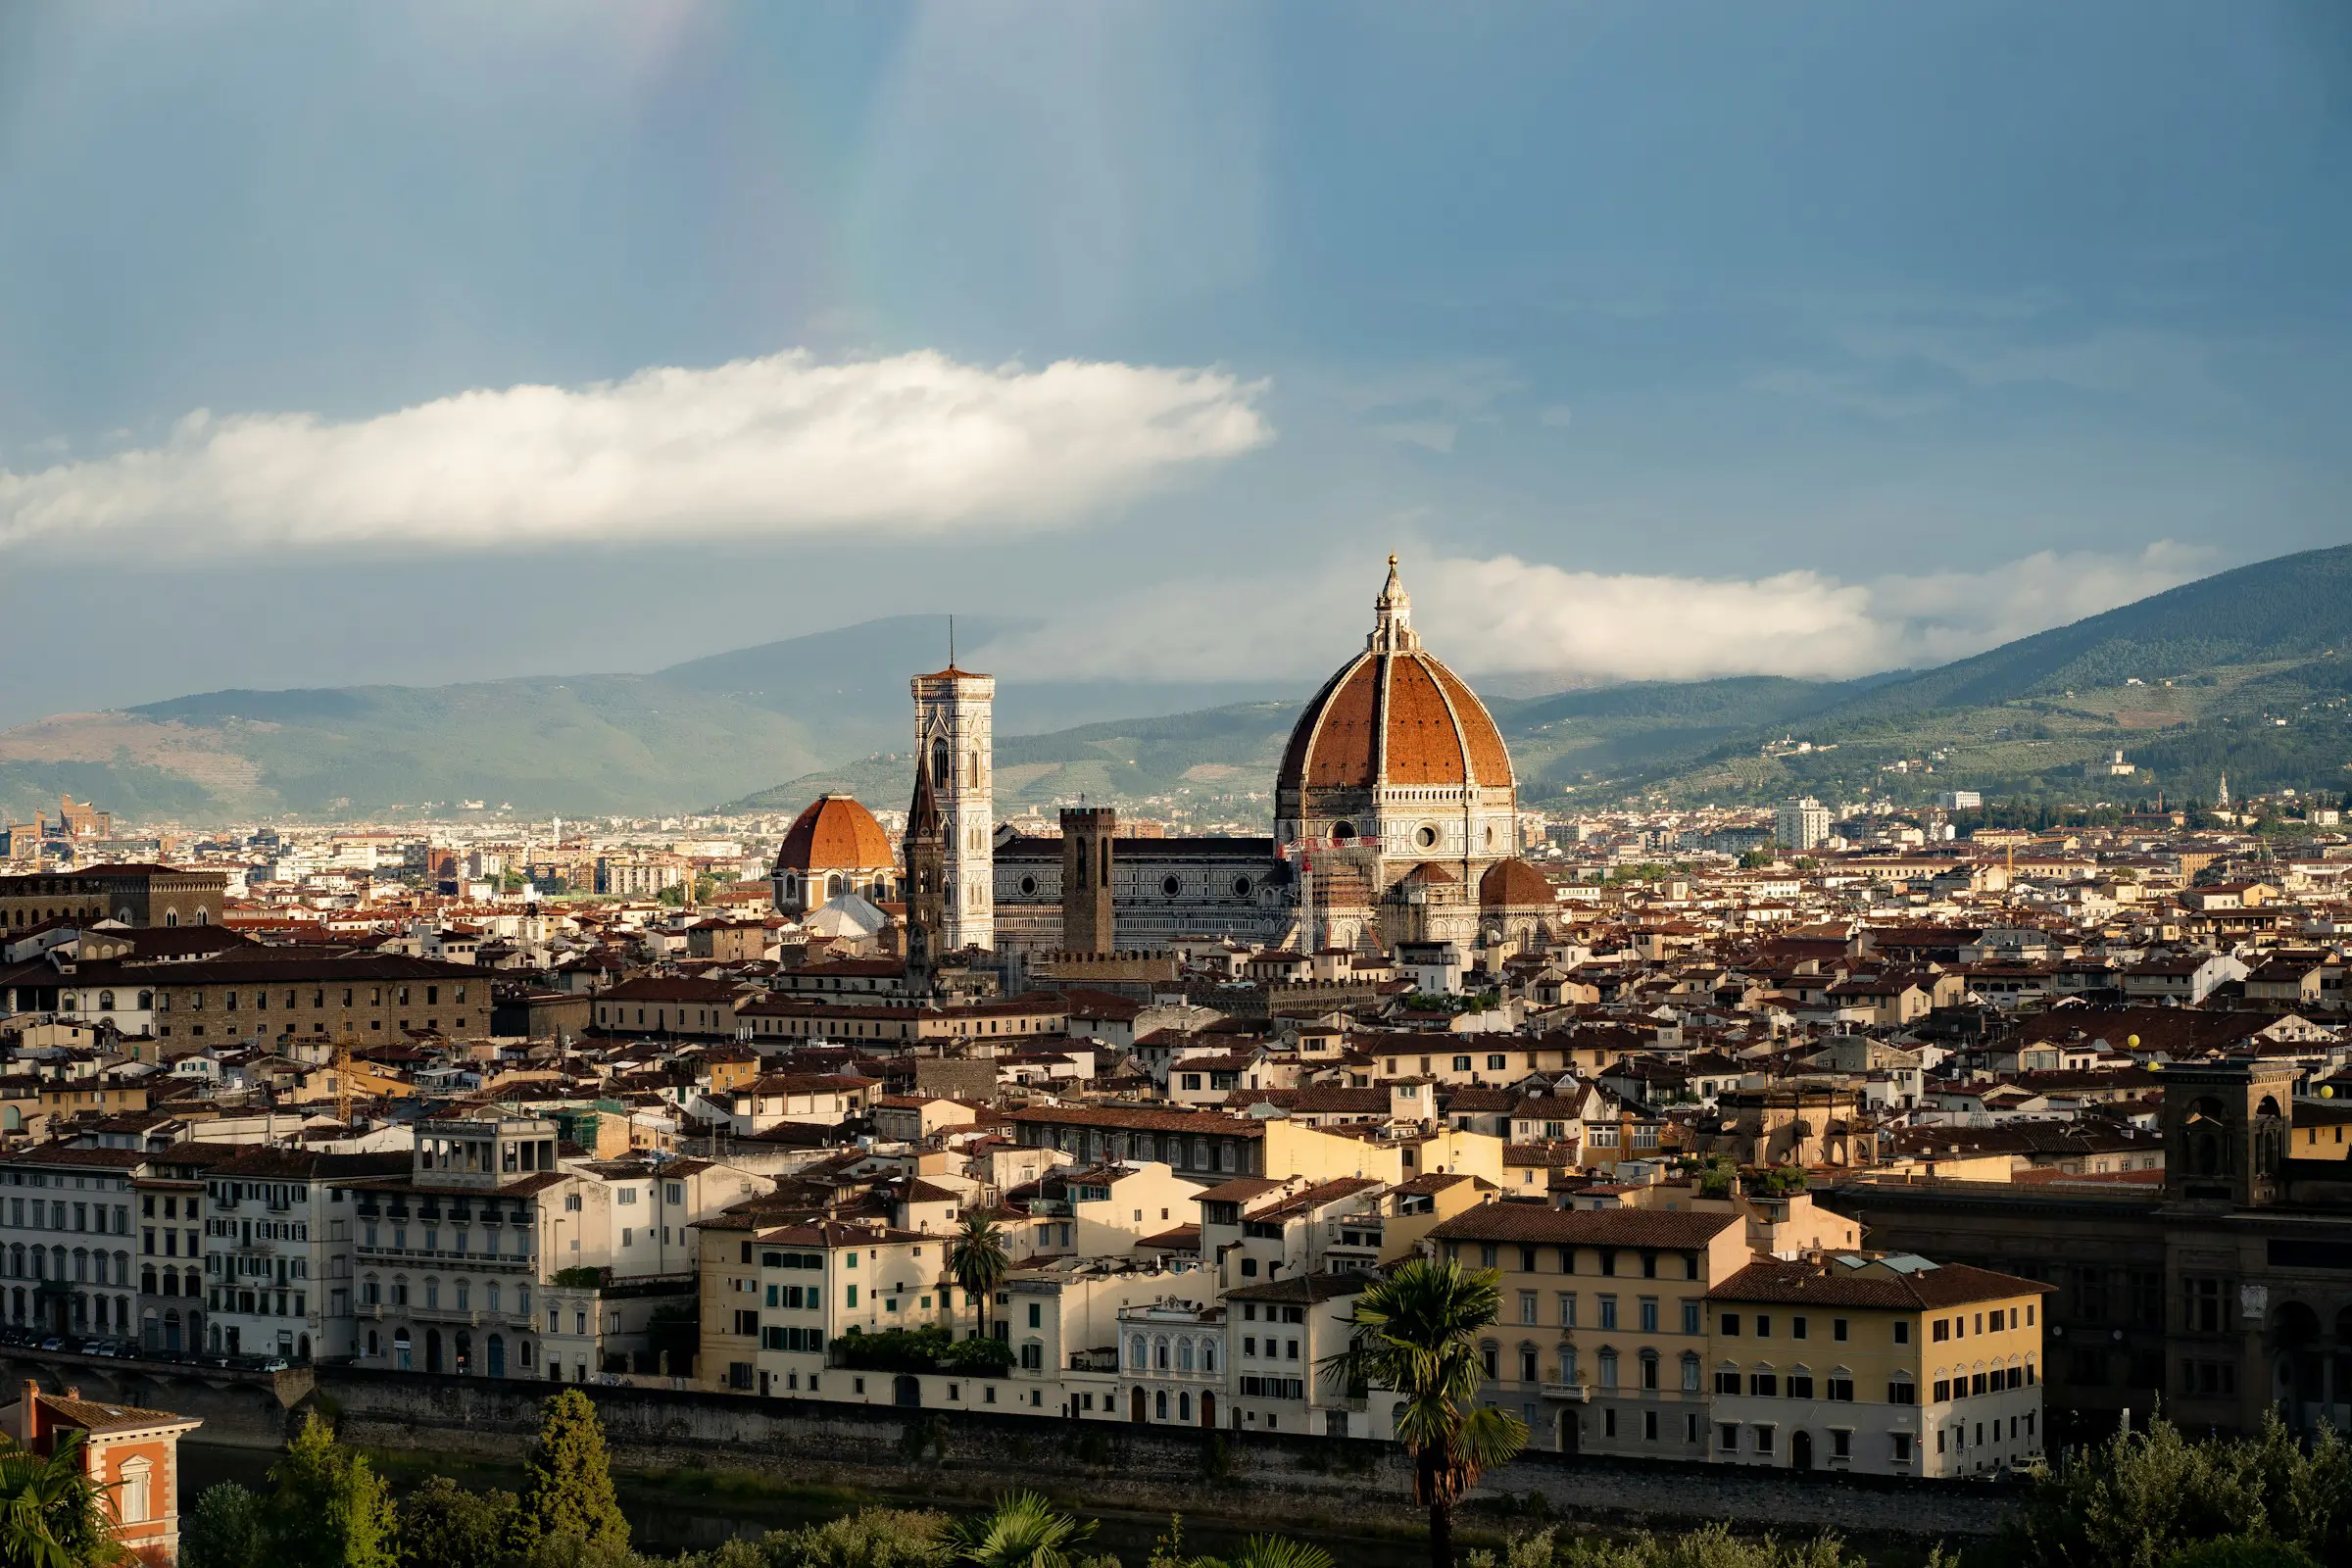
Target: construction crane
[(343, 1082)]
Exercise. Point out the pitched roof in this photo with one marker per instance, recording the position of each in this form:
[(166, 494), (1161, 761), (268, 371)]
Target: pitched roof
[(1835, 1281), (1601, 1227)]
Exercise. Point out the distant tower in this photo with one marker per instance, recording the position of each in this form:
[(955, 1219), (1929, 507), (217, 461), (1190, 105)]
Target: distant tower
[(2220, 800), (953, 725), (926, 879), (1089, 849)]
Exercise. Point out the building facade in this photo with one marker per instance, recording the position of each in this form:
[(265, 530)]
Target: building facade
[(955, 728)]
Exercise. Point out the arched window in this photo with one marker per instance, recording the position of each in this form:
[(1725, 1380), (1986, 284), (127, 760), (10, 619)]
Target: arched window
[(106, 1001), (1184, 1356), (146, 1001), (940, 772), (130, 1495), (1208, 1356), (1159, 1355), (1136, 1356), (203, 917), (1160, 1404), (1689, 1373)]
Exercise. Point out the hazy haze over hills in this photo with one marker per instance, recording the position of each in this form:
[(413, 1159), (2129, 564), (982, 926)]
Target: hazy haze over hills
[(769, 726)]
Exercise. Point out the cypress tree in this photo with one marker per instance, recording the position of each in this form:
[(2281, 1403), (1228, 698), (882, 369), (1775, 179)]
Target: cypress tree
[(567, 1486)]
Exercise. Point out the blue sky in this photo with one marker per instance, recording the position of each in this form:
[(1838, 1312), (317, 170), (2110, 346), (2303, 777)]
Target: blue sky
[(1662, 339)]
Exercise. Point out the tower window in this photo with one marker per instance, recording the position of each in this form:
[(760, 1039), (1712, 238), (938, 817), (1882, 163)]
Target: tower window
[(1028, 884), (1172, 887)]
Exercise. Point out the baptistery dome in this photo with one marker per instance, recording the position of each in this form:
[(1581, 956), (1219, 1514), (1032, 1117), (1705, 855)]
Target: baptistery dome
[(1397, 760)]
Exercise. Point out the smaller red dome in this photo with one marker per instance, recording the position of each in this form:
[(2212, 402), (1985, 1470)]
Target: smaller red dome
[(1514, 884), (835, 834)]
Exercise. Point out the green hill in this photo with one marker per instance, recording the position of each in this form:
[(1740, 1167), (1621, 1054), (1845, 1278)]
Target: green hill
[(2244, 672)]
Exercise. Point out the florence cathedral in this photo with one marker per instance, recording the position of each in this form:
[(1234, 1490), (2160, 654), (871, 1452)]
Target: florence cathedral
[(1395, 820)]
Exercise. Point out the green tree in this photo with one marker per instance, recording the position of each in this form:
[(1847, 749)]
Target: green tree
[(2141, 1498), (979, 1262), (2239, 1551), (1415, 1333), (330, 1511), (443, 1525), (53, 1513), (231, 1528), (568, 1490), (870, 1538), (1023, 1531)]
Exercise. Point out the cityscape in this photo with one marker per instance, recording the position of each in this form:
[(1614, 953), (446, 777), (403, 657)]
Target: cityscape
[(1076, 1007)]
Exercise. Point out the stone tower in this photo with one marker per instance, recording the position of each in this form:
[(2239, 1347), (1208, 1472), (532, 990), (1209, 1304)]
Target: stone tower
[(1089, 854), (926, 879), (2226, 1130), (954, 728)]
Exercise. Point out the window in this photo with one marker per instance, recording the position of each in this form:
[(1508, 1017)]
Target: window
[(1764, 1385), (1899, 1446), (1727, 1437), (131, 1497), (1727, 1381), (1841, 1387), (1941, 1331), (1764, 1439), (1731, 1325), (1902, 1331), (1649, 1315), (1842, 1443), (1901, 1390), (1838, 1329), (1690, 1317), (1567, 1309), (1800, 1385), (1796, 1328), (1608, 1311), (2207, 1306), (1649, 1369), (1527, 1306), (1689, 1374)]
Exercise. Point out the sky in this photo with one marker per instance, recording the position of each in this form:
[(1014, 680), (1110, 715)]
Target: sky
[(422, 343)]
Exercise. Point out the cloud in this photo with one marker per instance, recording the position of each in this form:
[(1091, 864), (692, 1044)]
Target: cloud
[(772, 447), (1506, 614)]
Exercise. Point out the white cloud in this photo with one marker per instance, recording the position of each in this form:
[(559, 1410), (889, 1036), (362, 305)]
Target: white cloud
[(1506, 614), (768, 447)]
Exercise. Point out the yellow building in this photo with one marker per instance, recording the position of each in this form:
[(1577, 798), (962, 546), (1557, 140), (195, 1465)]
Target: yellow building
[(1602, 1339), (1884, 1365)]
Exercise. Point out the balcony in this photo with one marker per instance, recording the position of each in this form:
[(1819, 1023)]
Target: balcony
[(1579, 1392)]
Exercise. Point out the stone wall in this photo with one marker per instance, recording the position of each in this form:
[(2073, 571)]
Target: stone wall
[(1296, 1481)]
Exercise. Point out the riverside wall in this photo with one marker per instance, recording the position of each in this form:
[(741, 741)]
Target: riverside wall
[(1295, 1482)]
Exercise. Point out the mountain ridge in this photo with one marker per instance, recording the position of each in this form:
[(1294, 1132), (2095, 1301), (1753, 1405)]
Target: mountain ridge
[(2243, 670)]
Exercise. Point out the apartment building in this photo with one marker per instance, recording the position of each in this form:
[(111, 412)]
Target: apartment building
[(364, 997), (278, 1234), (775, 1298), (1875, 1365), (1602, 1338), (66, 1240)]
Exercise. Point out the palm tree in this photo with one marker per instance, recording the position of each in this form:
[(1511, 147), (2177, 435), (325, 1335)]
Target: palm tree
[(53, 1512), (1024, 1530), (1415, 1333), (978, 1261), (1279, 1552)]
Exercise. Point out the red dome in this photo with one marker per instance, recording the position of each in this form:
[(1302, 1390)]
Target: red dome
[(1394, 717), (835, 834), (1398, 719)]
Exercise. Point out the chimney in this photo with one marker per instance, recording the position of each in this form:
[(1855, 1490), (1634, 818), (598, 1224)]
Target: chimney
[(31, 1422)]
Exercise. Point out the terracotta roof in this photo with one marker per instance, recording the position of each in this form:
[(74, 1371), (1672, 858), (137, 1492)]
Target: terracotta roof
[(1513, 883), (1830, 1283), (1604, 1227), (835, 832), (94, 1415), (1398, 719)]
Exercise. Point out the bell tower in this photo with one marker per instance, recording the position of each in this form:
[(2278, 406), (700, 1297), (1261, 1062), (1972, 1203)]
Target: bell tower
[(955, 729), (2226, 1130), (926, 877), (1088, 851)]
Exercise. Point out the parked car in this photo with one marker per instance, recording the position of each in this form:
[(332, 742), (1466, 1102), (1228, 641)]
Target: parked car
[(52, 1343)]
